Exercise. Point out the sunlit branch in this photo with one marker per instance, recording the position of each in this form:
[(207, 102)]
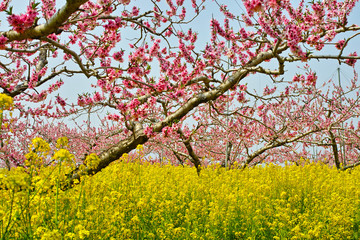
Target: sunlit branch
[(51, 26)]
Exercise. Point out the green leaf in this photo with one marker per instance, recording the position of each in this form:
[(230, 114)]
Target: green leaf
[(34, 5), (9, 12)]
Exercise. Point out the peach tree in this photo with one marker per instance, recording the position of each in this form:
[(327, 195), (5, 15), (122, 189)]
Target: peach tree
[(171, 75)]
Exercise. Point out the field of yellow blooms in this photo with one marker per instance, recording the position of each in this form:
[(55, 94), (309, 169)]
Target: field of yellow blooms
[(135, 200), (132, 199)]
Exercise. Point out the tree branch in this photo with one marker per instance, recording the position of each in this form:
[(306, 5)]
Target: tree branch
[(51, 26), (139, 137)]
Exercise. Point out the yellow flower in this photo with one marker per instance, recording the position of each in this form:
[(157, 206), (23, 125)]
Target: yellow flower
[(6, 102), (40, 231), (63, 154), (124, 157), (135, 219), (283, 195), (81, 231), (62, 142), (51, 235), (31, 156), (40, 145), (70, 235), (92, 161)]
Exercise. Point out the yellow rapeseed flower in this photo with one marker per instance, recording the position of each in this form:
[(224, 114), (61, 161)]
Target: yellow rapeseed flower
[(130, 200), (81, 231), (92, 161), (6, 102), (39, 145), (38, 152), (31, 156), (62, 142), (63, 154), (52, 235)]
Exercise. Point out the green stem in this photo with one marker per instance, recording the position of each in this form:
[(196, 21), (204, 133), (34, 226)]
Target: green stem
[(57, 196), (1, 116)]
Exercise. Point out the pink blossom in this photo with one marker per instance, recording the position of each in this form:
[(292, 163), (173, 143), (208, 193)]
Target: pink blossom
[(243, 87), (261, 107), (179, 2), (48, 8), (53, 36), (253, 6), (118, 56), (97, 97), (124, 2), (273, 3), (268, 91), (114, 117), (226, 12), (4, 5), (351, 62), (311, 79), (60, 101), (134, 103), (135, 11), (149, 131), (21, 22), (340, 44), (241, 98), (3, 41), (183, 14)]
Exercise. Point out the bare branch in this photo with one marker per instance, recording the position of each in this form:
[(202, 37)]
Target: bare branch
[(68, 51)]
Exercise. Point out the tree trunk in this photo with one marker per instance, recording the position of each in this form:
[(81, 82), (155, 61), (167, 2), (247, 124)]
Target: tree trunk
[(139, 137)]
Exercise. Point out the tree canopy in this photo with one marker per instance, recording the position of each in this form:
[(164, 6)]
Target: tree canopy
[(112, 74)]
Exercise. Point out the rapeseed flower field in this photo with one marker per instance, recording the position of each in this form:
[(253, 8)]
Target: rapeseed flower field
[(132, 199)]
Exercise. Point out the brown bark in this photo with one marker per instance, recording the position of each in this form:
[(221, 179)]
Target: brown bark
[(52, 25), (335, 150)]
